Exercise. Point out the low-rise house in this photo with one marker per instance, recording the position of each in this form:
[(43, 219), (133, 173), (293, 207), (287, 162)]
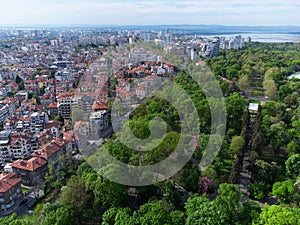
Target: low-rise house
[(14, 86), (100, 105), (10, 191), (60, 89), (141, 92), (31, 171), (3, 91), (52, 83), (53, 108), (13, 104), (51, 152), (53, 127), (10, 124), (42, 80), (22, 95), (47, 99), (70, 141), (30, 84), (43, 138), (152, 80)]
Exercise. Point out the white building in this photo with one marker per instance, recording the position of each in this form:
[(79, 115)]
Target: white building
[(4, 146), (4, 112), (37, 121)]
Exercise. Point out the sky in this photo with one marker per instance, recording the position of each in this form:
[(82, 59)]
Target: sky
[(145, 12)]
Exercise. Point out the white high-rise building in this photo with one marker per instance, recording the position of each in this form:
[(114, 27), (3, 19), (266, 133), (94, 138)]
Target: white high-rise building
[(192, 54), (237, 42)]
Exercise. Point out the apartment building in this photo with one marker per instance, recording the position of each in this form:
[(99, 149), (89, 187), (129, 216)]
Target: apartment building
[(20, 145), (31, 171), (65, 105), (10, 191), (4, 146), (98, 123)]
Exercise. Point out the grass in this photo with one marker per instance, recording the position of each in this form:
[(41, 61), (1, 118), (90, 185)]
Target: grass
[(257, 84), (25, 190), (254, 101), (256, 93)]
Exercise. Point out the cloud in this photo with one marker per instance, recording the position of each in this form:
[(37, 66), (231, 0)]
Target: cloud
[(150, 12)]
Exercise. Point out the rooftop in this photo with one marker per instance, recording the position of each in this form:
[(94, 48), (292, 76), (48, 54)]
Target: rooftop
[(7, 181), (31, 164), (253, 107)]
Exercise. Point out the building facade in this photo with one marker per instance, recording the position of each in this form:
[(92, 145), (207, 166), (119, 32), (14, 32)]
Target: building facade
[(10, 191)]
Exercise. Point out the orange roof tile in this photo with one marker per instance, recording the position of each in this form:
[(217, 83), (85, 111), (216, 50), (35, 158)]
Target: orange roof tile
[(8, 181), (66, 95), (53, 105), (31, 164), (47, 150), (69, 136), (52, 124), (99, 105)]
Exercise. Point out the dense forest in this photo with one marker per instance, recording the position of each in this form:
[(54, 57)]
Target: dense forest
[(192, 196)]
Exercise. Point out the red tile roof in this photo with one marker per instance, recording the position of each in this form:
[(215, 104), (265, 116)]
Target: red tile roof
[(46, 96), (47, 150), (51, 124), (53, 105), (30, 82), (9, 100), (69, 137), (66, 95), (99, 105), (31, 164), (8, 181)]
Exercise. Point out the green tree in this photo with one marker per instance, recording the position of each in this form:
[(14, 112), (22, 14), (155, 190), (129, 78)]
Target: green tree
[(248, 212), (117, 216), (108, 217), (271, 88), (75, 195), (258, 190), (293, 166), (278, 215), (14, 220), (243, 82), (228, 201), (266, 172), (59, 215), (177, 217), (21, 85), (206, 213), (277, 135), (292, 147), (200, 211), (153, 213), (284, 191), (235, 105), (236, 145)]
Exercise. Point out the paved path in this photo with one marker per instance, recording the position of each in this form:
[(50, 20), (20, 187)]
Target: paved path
[(244, 178)]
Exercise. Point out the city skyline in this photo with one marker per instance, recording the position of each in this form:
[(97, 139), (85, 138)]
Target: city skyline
[(132, 12)]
